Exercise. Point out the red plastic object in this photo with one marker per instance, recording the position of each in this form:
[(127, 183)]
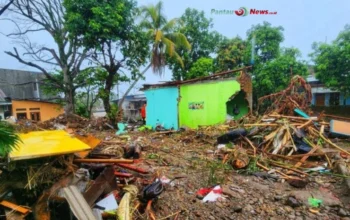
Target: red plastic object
[(205, 191)]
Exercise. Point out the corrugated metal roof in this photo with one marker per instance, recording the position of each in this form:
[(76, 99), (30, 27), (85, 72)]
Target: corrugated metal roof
[(211, 77), (78, 204), (2, 96)]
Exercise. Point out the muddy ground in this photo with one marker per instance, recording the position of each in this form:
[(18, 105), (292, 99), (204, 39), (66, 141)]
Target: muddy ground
[(191, 155)]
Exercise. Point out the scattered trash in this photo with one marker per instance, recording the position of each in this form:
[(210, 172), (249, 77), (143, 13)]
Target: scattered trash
[(231, 136), (145, 128), (121, 129), (213, 195), (240, 159), (314, 203), (108, 203), (124, 209), (104, 170), (152, 191)]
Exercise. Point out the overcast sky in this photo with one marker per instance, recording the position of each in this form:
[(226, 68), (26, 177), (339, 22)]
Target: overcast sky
[(304, 22)]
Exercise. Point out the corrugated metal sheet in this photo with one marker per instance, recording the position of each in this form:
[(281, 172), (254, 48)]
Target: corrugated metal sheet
[(205, 103), (46, 143), (78, 204), (162, 107)]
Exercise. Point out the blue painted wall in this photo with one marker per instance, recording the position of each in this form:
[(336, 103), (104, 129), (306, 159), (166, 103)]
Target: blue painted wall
[(162, 107), (326, 101), (342, 99)]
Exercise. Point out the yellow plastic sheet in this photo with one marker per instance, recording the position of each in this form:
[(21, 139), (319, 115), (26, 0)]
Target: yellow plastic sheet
[(47, 143)]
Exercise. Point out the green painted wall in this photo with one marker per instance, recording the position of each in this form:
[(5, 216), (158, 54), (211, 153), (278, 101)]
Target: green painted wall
[(205, 103)]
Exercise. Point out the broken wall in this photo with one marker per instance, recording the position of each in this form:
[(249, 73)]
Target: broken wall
[(162, 107), (205, 103), (238, 106)]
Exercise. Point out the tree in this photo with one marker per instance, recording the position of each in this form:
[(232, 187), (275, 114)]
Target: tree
[(41, 16), (332, 65), (230, 54), (4, 8), (89, 94), (202, 67), (198, 30), (267, 43), (164, 40), (264, 40), (276, 74), (108, 28)]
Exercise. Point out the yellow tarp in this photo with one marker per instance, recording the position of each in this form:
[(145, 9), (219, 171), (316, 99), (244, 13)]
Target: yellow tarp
[(47, 143)]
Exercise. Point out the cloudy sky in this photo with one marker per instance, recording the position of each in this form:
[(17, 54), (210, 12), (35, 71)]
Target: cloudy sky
[(304, 22)]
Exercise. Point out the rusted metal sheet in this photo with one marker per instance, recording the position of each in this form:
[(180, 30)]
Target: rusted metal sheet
[(78, 204), (340, 128)]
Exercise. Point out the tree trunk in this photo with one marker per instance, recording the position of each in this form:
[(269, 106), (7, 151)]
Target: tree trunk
[(68, 93), (106, 96), (120, 103)]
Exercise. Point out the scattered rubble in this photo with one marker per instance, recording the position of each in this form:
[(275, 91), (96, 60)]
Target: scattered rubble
[(282, 164)]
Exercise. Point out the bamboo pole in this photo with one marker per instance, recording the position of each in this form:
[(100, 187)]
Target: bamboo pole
[(289, 168)]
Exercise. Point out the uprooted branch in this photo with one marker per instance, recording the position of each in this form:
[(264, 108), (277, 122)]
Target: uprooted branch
[(296, 95)]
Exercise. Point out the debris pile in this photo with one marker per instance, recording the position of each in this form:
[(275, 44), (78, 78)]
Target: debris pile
[(282, 163)]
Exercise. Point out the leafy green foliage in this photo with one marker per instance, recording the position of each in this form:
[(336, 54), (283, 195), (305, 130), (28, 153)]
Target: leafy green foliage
[(230, 54), (113, 112), (95, 22), (164, 37), (204, 41), (276, 74), (332, 64), (267, 42), (202, 67), (273, 66), (110, 30), (8, 138)]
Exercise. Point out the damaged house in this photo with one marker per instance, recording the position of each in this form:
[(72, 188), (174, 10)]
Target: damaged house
[(199, 102)]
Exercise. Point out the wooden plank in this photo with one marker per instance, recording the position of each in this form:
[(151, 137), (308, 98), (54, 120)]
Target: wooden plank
[(15, 207), (104, 180)]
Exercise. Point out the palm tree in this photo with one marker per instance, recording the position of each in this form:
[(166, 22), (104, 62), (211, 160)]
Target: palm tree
[(8, 138), (163, 38)]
